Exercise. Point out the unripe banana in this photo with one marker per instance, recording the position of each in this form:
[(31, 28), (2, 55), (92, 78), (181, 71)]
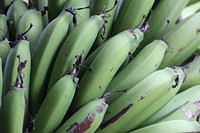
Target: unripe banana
[(139, 98), (192, 74), (175, 126), (164, 11), (94, 83), (189, 111), (190, 95), (4, 4), (105, 5), (55, 7), (21, 49), (189, 30), (15, 11), (1, 81), (4, 51), (87, 119), (192, 2), (34, 18), (3, 26), (130, 14), (74, 45), (83, 14), (145, 63), (46, 50), (14, 104), (55, 105)]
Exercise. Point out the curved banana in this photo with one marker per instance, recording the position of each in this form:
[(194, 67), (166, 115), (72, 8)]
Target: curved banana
[(46, 50), (190, 95), (4, 51), (56, 103), (131, 10), (192, 74), (12, 114), (55, 7), (15, 11), (145, 63), (87, 119), (160, 16), (132, 104), (75, 45), (174, 126), (1, 81), (176, 42), (34, 18), (21, 49), (189, 111), (3, 26), (83, 14), (105, 66)]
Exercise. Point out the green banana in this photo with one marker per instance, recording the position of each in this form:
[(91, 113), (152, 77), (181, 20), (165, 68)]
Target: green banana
[(189, 111), (145, 63), (83, 12), (189, 95), (131, 10), (31, 17), (174, 126), (21, 49), (57, 100), (87, 32), (1, 81), (4, 51), (4, 4), (164, 11), (192, 2), (109, 7), (176, 43), (46, 50), (132, 104), (3, 26), (55, 7), (93, 84), (189, 10), (13, 108), (87, 118), (192, 74), (15, 11)]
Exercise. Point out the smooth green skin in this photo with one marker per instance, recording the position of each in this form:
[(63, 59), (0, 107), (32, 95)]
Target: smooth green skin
[(55, 7), (84, 112), (165, 10), (15, 11), (131, 13), (147, 88), (31, 17), (185, 52), (190, 10), (4, 51), (91, 57), (104, 5), (188, 111), (192, 2), (3, 26), (187, 30), (80, 39), (46, 50), (145, 63), (189, 95), (55, 106), (13, 111), (83, 14), (192, 74), (105, 66), (10, 71), (1, 81), (174, 126)]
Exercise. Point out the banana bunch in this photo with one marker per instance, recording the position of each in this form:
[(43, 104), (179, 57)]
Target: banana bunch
[(99, 66)]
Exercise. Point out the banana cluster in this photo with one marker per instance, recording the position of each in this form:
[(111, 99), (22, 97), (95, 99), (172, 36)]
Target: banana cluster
[(103, 66)]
